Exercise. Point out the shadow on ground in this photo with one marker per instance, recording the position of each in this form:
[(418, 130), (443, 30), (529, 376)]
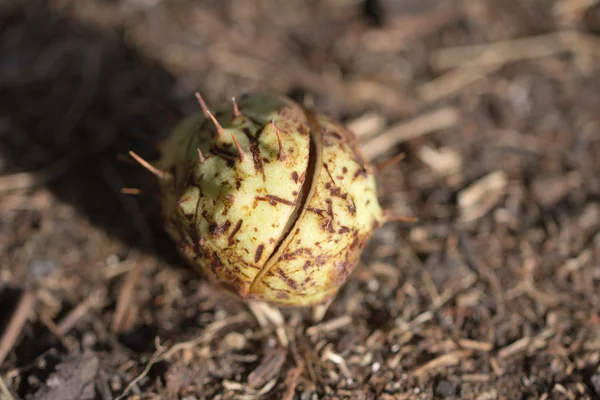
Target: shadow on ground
[(75, 96), (74, 101)]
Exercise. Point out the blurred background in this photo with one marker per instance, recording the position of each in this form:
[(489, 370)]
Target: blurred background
[(493, 293)]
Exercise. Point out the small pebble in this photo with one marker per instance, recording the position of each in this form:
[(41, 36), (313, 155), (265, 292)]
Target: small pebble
[(38, 268), (445, 388), (235, 341)]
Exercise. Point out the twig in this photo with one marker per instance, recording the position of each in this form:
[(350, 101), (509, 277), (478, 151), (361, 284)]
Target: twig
[(319, 311), (483, 271), (162, 354), (331, 325), (264, 313), (416, 321), (502, 52), (337, 359), (13, 373), (291, 381), (73, 317), (15, 326), (442, 361), (207, 336), (455, 80), (470, 344), (141, 376), (7, 395), (436, 120), (366, 125), (526, 343), (485, 59), (124, 300)]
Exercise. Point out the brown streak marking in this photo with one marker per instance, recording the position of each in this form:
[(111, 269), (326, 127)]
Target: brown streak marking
[(288, 281), (330, 212), (328, 172), (230, 158), (321, 259), (305, 268), (253, 142), (352, 207), (274, 199), (219, 230), (259, 251), (297, 252), (360, 171), (234, 232)]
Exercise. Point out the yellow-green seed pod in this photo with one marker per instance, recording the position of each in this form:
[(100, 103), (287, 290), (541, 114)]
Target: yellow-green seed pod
[(267, 199)]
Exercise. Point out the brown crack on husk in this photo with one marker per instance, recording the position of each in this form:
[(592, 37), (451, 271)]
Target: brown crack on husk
[(315, 163)]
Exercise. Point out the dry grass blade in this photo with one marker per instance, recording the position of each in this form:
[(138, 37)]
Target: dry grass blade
[(74, 316), (445, 360), (442, 118), (163, 354), (123, 317), (454, 81), (483, 60), (291, 381), (505, 51), (330, 325), (366, 125), (523, 344), (483, 194), (267, 369)]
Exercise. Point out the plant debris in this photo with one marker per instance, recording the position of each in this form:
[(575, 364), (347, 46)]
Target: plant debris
[(493, 293)]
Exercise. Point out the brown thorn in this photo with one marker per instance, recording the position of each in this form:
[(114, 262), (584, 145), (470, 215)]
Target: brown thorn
[(146, 164), (131, 191), (217, 125), (201, 156), (388, 217), (202, 104), (239, 148), (386, 164), (236, 110), (281, 156)]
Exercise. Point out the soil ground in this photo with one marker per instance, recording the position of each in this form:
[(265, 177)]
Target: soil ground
[(493, 294)]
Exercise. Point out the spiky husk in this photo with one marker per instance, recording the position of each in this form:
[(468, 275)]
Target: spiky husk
[(284, 225)]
